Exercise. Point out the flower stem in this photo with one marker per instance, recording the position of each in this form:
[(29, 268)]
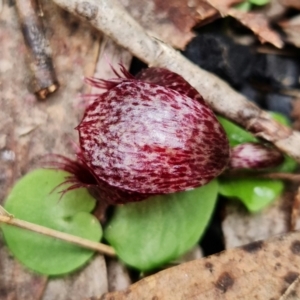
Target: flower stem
[(8, 219)]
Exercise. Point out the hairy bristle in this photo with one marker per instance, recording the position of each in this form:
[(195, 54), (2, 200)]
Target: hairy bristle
[(124, 72), (82, 177)]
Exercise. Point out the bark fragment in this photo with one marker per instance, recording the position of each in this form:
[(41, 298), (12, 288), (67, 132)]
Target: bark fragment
[(44, 80)]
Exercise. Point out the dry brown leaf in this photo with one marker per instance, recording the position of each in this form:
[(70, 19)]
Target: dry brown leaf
[(291, 3), (259, 25), (292, 29), (233, 274), (256, 22), (172, 21)]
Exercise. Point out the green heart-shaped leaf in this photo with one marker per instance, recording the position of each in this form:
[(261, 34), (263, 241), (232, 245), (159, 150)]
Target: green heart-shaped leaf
[(244, 6), (259, 2), (254, 193), (35, 199), (236, 135), (150, 233)]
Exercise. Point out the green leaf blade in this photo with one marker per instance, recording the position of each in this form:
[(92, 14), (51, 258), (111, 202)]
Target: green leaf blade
[(259, 2), (151, 233), (34, 200), (254, 193), (244, 6), (236, 135)]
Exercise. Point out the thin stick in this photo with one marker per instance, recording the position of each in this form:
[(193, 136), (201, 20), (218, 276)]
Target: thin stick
[(283, 176), (44, 81), (102, 248), (113, 20), (279, 175)]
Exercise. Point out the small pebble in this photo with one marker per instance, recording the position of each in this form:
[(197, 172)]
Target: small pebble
[(8, 155), (118, 276)]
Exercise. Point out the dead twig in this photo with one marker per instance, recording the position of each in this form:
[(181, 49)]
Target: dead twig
[(267, 175), (44, 81), (111, 18), (9, 219), (282, 176)]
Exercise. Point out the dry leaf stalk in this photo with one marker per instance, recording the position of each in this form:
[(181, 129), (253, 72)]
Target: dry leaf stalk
[(111, 18), (6, 218)]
